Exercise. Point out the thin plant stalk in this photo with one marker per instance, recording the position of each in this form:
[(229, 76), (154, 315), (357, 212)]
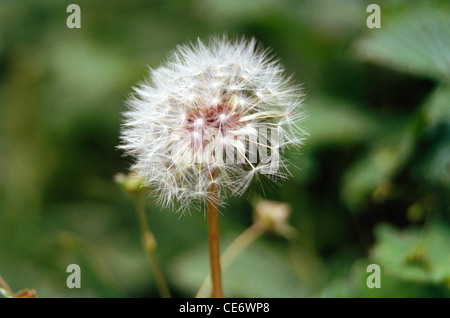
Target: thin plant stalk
[(246, 238), (149, 245), (5, 285), (214, 241)]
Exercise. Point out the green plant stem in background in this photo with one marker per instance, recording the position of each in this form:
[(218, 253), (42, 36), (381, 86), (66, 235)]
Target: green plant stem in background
[(246, 238), (5, 286), (149, 244)]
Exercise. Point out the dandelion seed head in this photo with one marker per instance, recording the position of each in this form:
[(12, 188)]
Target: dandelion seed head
[(214, 113)]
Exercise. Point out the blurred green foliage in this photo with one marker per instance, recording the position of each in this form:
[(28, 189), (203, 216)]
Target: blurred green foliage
[(372, 183)]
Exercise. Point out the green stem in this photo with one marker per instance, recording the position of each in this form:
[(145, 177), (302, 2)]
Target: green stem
[(149, 245)]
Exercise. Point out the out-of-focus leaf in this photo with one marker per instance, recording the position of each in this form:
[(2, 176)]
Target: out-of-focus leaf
[(421, 255), (354, 284), (435, 164), (437, 108), (418, 43), (376, 169), (337, 122), (87, 84), (258, 272), (113, 262), (435, 167), (439, 167)]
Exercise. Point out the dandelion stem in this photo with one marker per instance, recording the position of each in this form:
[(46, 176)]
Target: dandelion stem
[(246, 238), (214, 242), (149, 245)]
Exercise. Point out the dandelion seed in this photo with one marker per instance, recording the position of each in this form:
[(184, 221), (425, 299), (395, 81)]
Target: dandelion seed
[(201, 115)]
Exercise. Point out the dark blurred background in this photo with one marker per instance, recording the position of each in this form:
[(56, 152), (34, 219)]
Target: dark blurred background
[(373, 179)]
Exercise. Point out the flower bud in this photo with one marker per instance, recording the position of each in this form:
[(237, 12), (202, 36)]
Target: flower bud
[(273, 217), (131, 183)]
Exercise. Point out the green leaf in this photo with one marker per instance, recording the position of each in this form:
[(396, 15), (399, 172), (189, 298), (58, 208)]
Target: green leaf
[(417, 43), (354, 284), (420, 255), (437, 108), (376, 169), (332, 121)]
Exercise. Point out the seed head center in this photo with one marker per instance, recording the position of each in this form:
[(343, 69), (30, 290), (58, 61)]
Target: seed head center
[(217, 118)]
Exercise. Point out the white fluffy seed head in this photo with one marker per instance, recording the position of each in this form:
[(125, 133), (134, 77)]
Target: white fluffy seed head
[(218, 113)]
